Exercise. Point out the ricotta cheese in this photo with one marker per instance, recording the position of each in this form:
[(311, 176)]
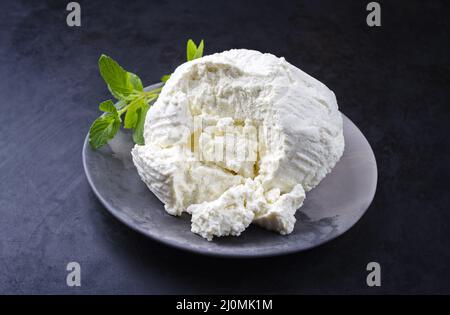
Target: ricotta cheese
[(237, 138)]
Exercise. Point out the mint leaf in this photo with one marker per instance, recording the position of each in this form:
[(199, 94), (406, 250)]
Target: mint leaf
[(103, 129), (138, 135), (199, 50), (164, 78), (120, 82), (191, 49), (131, 117), (194, 52), (107, 106), (114, 75), (136, 82)]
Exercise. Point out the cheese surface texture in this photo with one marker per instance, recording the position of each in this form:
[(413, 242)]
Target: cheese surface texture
[(237, 138)]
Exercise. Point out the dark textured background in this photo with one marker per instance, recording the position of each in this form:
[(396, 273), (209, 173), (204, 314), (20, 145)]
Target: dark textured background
[(393, 82)]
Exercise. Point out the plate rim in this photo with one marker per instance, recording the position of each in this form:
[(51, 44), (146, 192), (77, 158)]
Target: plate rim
[(225, 254)]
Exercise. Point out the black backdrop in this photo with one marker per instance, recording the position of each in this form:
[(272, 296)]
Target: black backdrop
[(392, 81)]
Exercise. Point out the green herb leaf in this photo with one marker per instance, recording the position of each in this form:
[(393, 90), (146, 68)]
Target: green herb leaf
[(136, 82), (138, 135), (120, 82), (107, 106), (191, 50), (131, 117), (103, 129), (199, 51), (164, 78)]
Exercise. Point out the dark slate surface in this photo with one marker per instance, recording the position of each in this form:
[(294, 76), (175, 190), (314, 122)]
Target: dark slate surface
[(393, 82)]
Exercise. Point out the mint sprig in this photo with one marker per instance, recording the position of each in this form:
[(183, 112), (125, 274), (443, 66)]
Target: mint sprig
[(132, 101)]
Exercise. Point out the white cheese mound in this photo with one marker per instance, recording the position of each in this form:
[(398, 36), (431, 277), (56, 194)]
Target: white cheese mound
[(237, 138)]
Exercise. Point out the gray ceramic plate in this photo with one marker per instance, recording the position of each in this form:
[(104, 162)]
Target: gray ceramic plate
[(329, 210)]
